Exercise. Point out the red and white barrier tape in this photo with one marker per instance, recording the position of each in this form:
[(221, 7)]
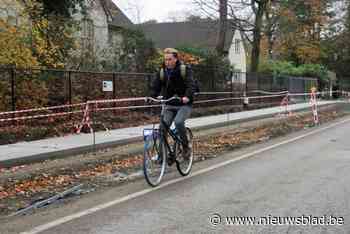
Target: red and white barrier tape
[(106, 101), (86, 120), (309, 94), (58, 107), (135, 99), (40, 116), (126, 107), (313, 103), (42, 109), (117, 100), (96, 102), (216, 93), (253, 91), (267, 92), (267, 96), (216, 100), (238, 98), (285, 104)]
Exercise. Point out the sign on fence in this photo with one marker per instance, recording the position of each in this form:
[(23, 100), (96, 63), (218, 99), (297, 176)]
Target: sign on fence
[(107, 86)]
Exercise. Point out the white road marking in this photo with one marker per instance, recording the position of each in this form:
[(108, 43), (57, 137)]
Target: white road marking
[(68, 218)]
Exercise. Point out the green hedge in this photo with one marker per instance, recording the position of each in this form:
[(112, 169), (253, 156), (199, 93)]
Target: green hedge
[(279, 68)]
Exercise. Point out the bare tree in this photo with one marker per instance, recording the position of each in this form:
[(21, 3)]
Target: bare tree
[(259, 8), (135, 9), (246, 16), (220, 42), (272, 17)]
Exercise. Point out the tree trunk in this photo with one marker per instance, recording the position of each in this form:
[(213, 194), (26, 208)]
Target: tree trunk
[(220, 42), (257, 36), (269, 32)]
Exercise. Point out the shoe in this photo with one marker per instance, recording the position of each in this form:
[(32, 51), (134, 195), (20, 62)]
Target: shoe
[(155, 157)]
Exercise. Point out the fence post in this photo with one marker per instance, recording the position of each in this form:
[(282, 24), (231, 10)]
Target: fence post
[(13, 84), (271, 84), (114, 91), (231, 76), (114, 87), (257, 77), (246, 83), (69, 87), (149, 82), (304, 88), (147, 93)]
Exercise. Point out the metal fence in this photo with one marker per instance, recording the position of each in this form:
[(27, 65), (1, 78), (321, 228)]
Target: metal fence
[(343, 83), (22, 89), (32, 88), (280, 83)]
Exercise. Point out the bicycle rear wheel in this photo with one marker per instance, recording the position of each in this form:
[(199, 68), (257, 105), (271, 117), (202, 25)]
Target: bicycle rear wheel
[(154, 160), (184, 165)]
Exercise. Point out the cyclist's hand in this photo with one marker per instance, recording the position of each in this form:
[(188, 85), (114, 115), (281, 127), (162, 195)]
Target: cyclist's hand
[(148, 100), (185, 100)]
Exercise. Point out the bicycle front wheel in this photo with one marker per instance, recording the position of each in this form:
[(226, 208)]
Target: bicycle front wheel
[(154, 160), (184, 164)]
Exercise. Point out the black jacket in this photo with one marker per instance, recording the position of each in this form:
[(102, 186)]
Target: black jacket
[(173, 84)]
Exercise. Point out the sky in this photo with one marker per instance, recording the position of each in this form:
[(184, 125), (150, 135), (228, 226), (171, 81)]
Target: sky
[(154, 9)]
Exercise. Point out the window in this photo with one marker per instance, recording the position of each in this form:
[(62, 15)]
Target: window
[(236, 78), (233, 78), (11, 17), (237, 46), (3, 14), (12, 20), (87, 35), (88, 29)]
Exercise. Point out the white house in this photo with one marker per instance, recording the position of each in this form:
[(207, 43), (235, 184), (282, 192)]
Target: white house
[(238, 58)]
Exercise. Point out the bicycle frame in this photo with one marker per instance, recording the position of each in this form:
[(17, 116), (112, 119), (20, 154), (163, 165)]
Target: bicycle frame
[(164, 128), (155, 158)]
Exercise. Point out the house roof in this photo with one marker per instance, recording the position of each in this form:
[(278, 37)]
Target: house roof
[(198, 34), (117, 16)]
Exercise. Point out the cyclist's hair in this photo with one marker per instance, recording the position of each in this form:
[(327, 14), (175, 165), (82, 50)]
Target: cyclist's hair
[(172, 51)]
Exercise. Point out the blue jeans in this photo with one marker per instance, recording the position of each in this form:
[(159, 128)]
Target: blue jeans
[(178, 114)]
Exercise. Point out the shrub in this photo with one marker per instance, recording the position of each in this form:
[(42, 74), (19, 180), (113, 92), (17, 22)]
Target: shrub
[(287, 68)]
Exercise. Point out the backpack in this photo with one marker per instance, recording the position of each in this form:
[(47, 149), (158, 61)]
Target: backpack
[(183, 75)]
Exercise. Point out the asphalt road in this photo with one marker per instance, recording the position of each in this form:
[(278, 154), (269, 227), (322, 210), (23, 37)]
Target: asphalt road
[(304, 178)]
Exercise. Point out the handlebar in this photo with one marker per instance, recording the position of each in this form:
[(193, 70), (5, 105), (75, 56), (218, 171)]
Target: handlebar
[(163, 100)]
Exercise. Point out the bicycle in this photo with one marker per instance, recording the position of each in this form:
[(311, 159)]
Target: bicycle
[(159, 149)]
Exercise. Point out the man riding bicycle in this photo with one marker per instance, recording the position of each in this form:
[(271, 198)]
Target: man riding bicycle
[(175, 79)]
